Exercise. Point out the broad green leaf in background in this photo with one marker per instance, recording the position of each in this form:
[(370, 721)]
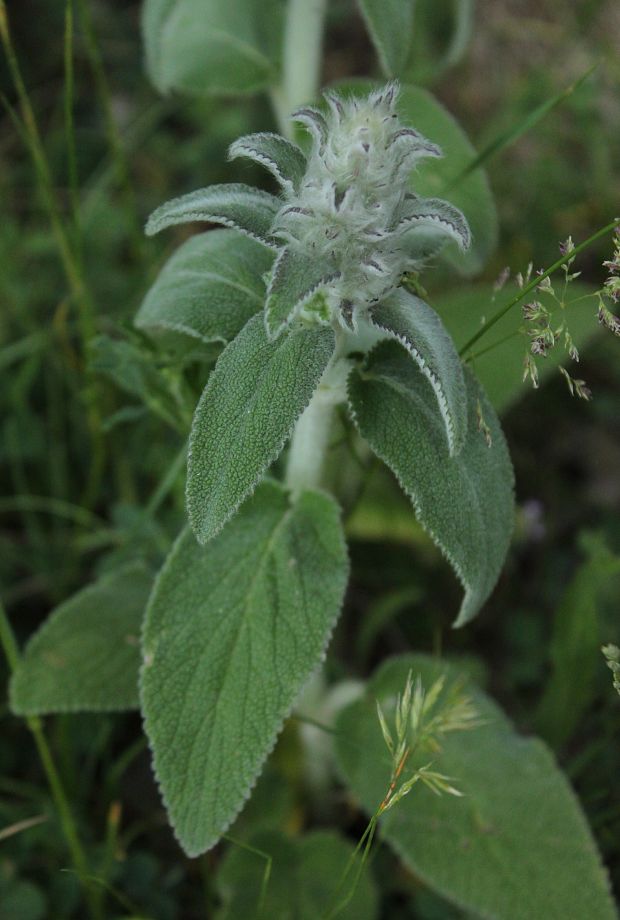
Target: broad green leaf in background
[(247, 411), (390, 25), (208, 289), (515, 846), (201, 47), (576, 643), (232, 633), (134, 369), (465, 502), (271, 805), (442, 31), (472, 195), (85, 657), (19, 898), (304, 879), (238, 206), (417, 327), (500, 368)]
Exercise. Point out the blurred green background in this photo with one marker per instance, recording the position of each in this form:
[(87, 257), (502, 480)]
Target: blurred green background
[(92, 416)]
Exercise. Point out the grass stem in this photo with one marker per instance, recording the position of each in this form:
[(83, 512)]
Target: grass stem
[(67, 822), (608, 228)]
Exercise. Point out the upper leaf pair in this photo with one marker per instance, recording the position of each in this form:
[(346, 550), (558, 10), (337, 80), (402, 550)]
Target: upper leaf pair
[(259, 388), (465, 501), (346, 221)]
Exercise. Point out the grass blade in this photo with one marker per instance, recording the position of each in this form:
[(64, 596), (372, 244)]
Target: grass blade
[(512, 134)]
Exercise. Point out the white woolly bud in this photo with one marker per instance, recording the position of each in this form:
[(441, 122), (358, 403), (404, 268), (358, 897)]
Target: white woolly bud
[(354, 207)]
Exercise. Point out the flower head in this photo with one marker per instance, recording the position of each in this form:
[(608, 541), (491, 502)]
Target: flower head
[(346, 226), (354, 209)]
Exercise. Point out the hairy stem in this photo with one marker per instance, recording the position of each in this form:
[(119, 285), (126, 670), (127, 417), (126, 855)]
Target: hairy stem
[(301, 58), (309, 444), (310, 441)]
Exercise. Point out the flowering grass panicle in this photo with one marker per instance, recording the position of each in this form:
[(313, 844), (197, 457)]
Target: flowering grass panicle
[(421, 718)]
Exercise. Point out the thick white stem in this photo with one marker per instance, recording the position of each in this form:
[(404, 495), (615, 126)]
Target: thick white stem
[(310, 440), (301, 58), (309, 444)]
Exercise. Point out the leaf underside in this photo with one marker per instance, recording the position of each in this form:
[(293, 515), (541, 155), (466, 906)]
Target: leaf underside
[(246, 412), (418, 213), (284, 160), (232, 632), (85, 656), (234, 205), (515, 846), (465, 502)]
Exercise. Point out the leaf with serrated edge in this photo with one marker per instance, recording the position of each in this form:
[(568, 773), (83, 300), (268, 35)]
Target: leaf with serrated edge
[(465, 502), (85, 657), (232, 632), (253, 398), (296, 278), (437, 214), (284, 160), (411, 321), (390, 24), (234, 205), (209, 288), (515, 846)]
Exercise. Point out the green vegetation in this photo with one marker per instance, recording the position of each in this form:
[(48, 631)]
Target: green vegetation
[(361, 388)]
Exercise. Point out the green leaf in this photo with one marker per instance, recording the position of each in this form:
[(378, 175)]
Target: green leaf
[(390, 25), (203, 47), (472, 196), (435, 214), (303, 881), (284, 160), (85, 656), (20, 898), (134, 369), (441, 34), (232, 632), (515, 846), (500, 368), (576, 643), (247, 411), (464, 502), (209, 289), (232, 204), (296, 278), (417, 327)]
